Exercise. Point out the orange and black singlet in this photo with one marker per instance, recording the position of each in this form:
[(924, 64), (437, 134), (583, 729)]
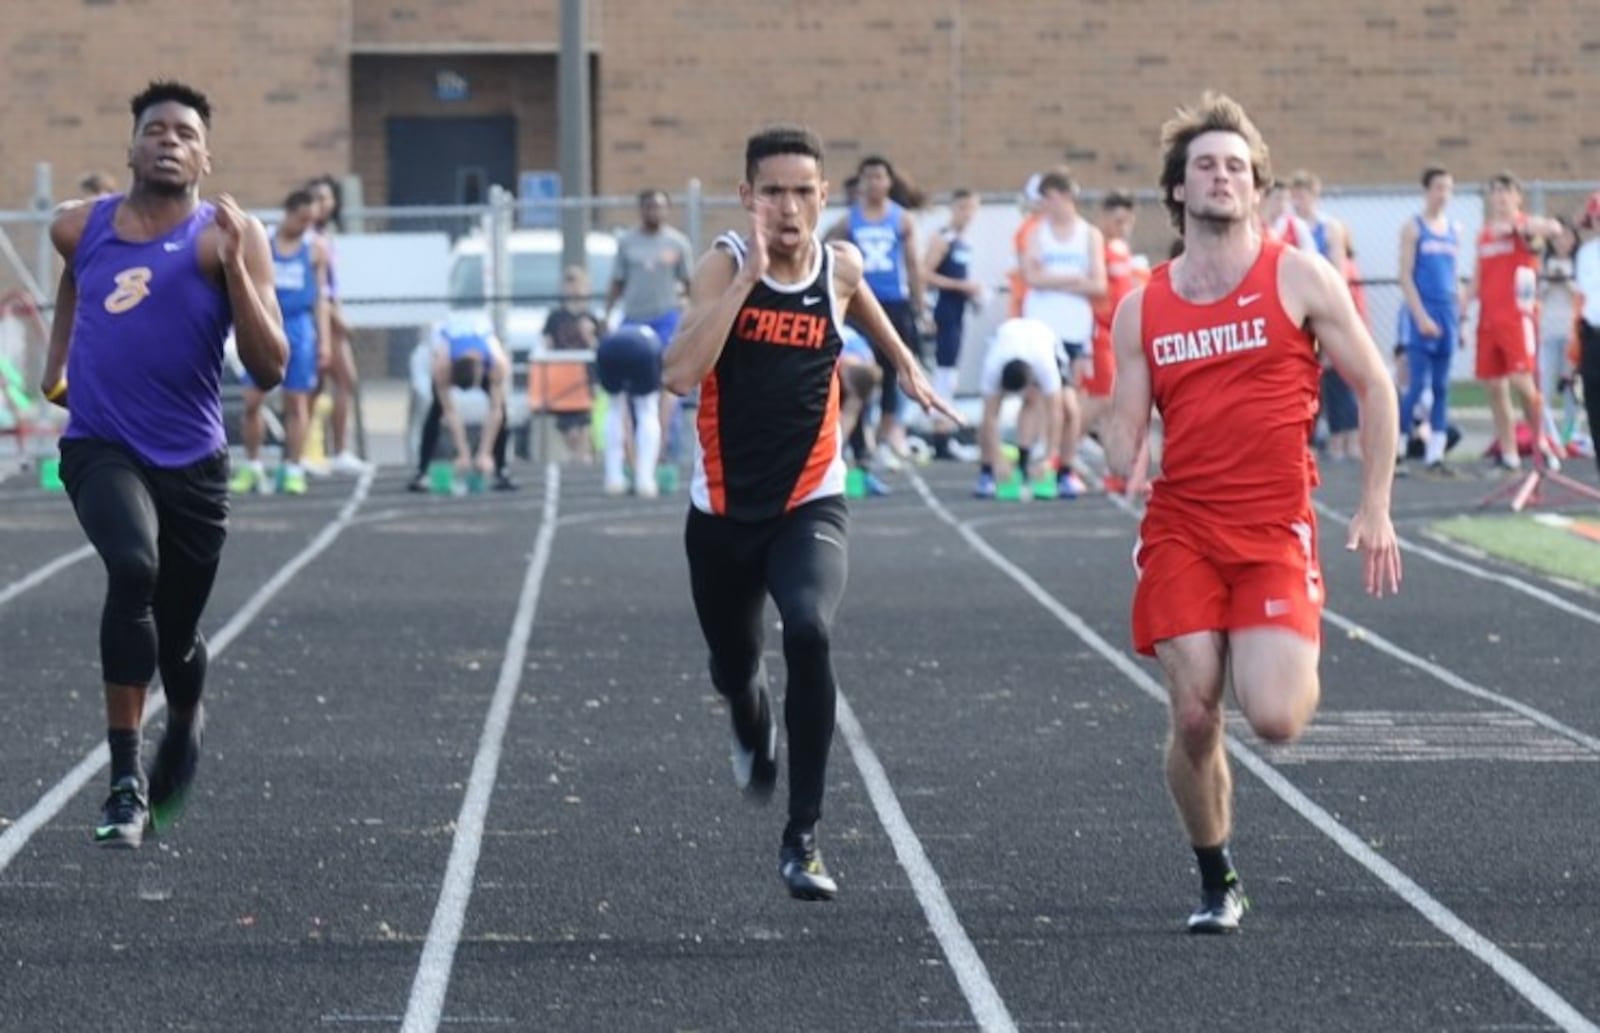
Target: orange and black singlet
[(768, 424)]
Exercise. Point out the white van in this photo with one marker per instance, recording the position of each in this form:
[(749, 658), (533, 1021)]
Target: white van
[(535, 289)]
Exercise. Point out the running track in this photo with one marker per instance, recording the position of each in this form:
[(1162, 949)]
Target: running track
[(464, 771)]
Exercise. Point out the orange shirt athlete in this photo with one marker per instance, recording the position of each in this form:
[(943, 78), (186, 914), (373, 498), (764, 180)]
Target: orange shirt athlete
[(1222, 342)]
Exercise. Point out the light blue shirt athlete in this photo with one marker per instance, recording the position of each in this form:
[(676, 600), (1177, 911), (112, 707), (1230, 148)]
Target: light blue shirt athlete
[(294, 279)]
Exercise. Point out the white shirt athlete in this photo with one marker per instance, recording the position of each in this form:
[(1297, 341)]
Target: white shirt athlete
[(1029, 341)]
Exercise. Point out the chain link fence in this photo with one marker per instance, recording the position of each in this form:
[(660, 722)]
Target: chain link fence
[(401, 271)]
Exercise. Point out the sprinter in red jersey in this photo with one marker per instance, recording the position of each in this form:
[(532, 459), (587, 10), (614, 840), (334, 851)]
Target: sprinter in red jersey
[(1224, 340)]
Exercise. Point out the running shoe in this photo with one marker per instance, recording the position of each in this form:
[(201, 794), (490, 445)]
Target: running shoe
[(1069, 485), (800, 865), (347, 463), (1441, 470), (962, 452), (173, 770), (1220, 910), (294, 482), (124, 816), (503, 482), (247, 479), (986, 486), (874, 485)]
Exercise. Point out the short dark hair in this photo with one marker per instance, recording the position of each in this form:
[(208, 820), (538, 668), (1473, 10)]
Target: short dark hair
[(1059, 181), (466, 370), (650, 195), (1431, 173), (1117, 199), (298, 199), (1015, 375), (1506, 178), (164, 90), (98, 183), (779, 139), (961, 193)]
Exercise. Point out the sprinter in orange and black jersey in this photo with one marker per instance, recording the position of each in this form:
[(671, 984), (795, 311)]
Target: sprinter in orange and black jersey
[(769, 412), (767, 517)]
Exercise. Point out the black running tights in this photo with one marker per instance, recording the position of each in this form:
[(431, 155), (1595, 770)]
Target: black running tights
[(432, 425), (798, 559), (159, 533)]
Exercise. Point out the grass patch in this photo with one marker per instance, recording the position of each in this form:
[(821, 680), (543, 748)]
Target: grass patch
[(1468, 394), (1521, 539)]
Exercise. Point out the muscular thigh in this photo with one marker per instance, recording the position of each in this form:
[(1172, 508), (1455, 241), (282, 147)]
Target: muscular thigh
[(726, 574), (1273, 669), (193, 506), (113, 499), (807, 562)]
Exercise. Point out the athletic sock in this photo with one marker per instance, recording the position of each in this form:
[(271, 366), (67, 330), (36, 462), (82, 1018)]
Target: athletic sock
[(1216, 866), (124, 743)]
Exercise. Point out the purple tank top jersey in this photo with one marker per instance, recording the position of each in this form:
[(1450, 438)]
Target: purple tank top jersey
[(145, 363)]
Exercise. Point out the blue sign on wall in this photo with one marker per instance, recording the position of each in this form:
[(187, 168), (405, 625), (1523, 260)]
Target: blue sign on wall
[(532, 188), (450, 87)]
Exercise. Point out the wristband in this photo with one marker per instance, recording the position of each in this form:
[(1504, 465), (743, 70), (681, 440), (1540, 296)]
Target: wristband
[(55, 394)]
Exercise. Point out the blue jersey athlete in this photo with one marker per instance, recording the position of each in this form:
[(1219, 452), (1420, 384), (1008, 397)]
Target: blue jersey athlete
[(1429, 244), (300, 271)]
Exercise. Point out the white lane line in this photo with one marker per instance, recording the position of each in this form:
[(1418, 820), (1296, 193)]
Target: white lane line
[(979, 990), (16, 836), (44, 573), (1534, 990), (1516, 584), (1460, 684), (425, 1009)]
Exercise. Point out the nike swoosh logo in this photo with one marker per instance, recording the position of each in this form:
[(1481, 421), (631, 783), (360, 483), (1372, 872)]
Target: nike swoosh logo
[(172, 245), (810, 299), (1248, 299)]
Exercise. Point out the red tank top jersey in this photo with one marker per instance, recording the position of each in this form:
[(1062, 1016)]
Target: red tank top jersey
[(1508, 274), (1236, 383), (1121, 279)]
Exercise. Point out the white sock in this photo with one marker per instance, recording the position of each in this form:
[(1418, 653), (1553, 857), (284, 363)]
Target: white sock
[(1434, 451), (646, 439), (944, 381), (613, 439)]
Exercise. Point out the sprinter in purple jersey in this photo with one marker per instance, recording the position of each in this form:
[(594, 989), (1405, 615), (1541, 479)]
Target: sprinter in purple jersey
[(153, 280)]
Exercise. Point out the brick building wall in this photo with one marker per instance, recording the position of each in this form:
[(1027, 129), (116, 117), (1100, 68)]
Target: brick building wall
[(978, 92), (277, 76), (982, 92)]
